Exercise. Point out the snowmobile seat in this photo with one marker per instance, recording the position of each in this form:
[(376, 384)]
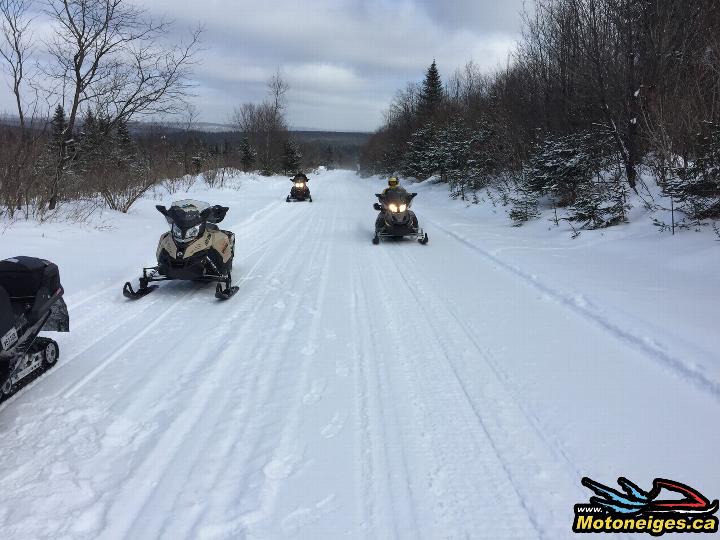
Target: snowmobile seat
[(32, 285)]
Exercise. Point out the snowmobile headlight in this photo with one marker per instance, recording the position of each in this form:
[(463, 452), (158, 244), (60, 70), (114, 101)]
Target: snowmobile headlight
[(393, 207), (190, 234), (298, 184), (403, 207)]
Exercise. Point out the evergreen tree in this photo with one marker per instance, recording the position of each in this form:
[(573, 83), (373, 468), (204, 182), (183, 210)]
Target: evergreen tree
[(330, 158), (524, 199), (696, 188), (451, 156), (248, 155), (419, 160), (58, 126), (292, 158), (432, 93), (600, 202)]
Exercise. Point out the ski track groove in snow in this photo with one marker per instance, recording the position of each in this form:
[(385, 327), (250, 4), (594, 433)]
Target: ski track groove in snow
[(487, 355), (516, 422), (101, 320), (382, 488), (286, 453), (650, 349), (347, 390), (213, 392)]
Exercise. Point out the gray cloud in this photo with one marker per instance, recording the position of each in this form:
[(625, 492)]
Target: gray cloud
[(344, 59)]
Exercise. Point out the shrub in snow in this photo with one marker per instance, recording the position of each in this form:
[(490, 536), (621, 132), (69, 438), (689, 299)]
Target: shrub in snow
[(695, 188), (248, 155), (600, 202), (573, 172), (292, 158), (525, 199), (419, 160)]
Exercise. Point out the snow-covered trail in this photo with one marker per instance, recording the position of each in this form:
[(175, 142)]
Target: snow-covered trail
[(347, 390)]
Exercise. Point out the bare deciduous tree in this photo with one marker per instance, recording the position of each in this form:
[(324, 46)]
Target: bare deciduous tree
[(265, 124), (107, 54)]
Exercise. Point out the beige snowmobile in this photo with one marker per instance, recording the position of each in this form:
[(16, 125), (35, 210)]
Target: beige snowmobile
[(194, 249)]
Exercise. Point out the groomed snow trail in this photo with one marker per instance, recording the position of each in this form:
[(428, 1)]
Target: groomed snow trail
[(347, 391)]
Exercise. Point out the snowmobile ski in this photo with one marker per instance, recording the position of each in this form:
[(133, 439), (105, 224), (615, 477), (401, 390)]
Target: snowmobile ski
[(132, 294), (225, 293)]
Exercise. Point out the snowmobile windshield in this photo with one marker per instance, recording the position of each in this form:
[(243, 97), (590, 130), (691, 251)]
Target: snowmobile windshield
[(397, 197), (186, 214)]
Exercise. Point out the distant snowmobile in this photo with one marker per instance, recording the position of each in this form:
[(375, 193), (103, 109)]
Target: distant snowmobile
[(30, 302), (396, 220), (300, 190), (194, 249)]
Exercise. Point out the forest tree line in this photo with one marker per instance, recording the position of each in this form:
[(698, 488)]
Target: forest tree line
[(596, 92), (79, 95)]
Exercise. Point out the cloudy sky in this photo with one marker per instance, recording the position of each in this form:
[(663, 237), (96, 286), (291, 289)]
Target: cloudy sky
[(344, 59)]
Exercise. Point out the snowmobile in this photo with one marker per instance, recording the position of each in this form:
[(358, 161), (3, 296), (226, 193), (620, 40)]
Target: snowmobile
[(396, 220), (30, 302), (194, 249), (300, 190)]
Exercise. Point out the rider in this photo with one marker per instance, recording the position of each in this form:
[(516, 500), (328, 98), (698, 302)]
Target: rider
[(394, 187)]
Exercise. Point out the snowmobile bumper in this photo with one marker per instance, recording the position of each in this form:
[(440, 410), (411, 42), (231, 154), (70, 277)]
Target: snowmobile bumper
[(298, 195), (404, 231)]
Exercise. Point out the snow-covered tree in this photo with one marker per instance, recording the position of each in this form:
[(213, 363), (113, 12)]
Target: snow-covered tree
[(696, 187), (248, 155), (431, 94), (418, 160), (292, 158), (525, 199)]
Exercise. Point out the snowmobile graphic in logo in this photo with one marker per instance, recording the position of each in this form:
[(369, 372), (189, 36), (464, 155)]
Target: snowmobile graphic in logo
[(30, 302), (300, 190), (396, 220), (194, 249), (635, 501)]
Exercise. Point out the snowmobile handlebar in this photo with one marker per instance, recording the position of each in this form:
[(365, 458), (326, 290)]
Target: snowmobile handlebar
[(213, 214), (405, 196)]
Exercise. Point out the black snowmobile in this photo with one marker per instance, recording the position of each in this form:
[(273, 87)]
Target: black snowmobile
[(396, 220), (30, 302), (194, 249), (300, 190)]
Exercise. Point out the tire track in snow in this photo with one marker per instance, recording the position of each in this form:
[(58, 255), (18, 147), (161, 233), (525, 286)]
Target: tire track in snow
[(131, 341), (465, 470), (205, 411), (262, 387), (495, 426), (552, 443), (645, 345), (394, 494), (110, 324), (288, 449)]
